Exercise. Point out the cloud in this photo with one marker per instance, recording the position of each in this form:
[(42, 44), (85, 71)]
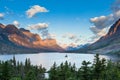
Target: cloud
[(64, 46), (16, 23), (1, 16), (99, 32), (42, 28), (102, 21), (38, 26), (103, 32), (69, 36), (51, 36), (94, 29), (116, 6), (34, 10), (101, 24), (73, 45), (72, 37), (46, 35), (77, 40), (93, 39)]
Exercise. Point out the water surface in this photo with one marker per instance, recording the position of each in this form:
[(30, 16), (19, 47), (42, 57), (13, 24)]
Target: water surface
[(47, 59)]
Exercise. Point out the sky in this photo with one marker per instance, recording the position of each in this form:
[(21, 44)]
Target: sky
[(70, 22)]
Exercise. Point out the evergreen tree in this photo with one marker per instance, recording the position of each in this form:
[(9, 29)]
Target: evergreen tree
[(98, 67), (99, 70), (53, 72), (30, 75), (14, 61), (85, 71), (5, 71)]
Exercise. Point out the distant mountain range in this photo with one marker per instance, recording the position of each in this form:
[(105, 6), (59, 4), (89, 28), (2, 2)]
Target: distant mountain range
[(72, 48), (14, 40), (110, 43)]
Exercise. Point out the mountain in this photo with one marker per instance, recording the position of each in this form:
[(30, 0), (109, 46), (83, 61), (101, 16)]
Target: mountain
[(14, 40), (110, 43), (72, 48)]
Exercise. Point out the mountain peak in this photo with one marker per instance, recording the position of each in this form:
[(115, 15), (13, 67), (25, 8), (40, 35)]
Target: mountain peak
[(2, 26), (24, 30), (115, 28), (108, 43), (11, 29)]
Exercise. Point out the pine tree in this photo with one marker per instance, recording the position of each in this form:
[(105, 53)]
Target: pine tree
[(14, 61), (53, 72), (5, 71), (30, 75), (85, 71), (98, 67)]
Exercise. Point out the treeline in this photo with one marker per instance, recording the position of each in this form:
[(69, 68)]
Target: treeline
[(13, 70), (99, 69)]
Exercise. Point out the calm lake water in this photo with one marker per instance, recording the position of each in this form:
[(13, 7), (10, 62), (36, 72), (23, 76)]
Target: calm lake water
[(47, 59)]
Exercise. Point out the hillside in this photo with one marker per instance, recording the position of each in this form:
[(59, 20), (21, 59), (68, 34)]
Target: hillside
[(14, 40), (110, 43)]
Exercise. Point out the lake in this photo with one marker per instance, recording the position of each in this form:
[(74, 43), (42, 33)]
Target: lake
[(47, 59)]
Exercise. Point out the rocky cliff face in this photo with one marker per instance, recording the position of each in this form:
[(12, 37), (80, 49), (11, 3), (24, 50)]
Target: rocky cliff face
[(114, 30), (24, 41)]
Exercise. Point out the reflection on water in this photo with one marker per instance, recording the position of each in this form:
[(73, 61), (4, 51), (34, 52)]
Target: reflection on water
[(47, 59)]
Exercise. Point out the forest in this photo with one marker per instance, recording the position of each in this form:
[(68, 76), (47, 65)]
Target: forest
[(99, 69)]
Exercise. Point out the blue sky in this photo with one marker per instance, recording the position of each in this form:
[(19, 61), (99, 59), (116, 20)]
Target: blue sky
[(63, 17)]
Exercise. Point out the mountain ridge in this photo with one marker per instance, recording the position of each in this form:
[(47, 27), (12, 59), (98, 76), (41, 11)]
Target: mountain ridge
[(22, 40), (110, 43)]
